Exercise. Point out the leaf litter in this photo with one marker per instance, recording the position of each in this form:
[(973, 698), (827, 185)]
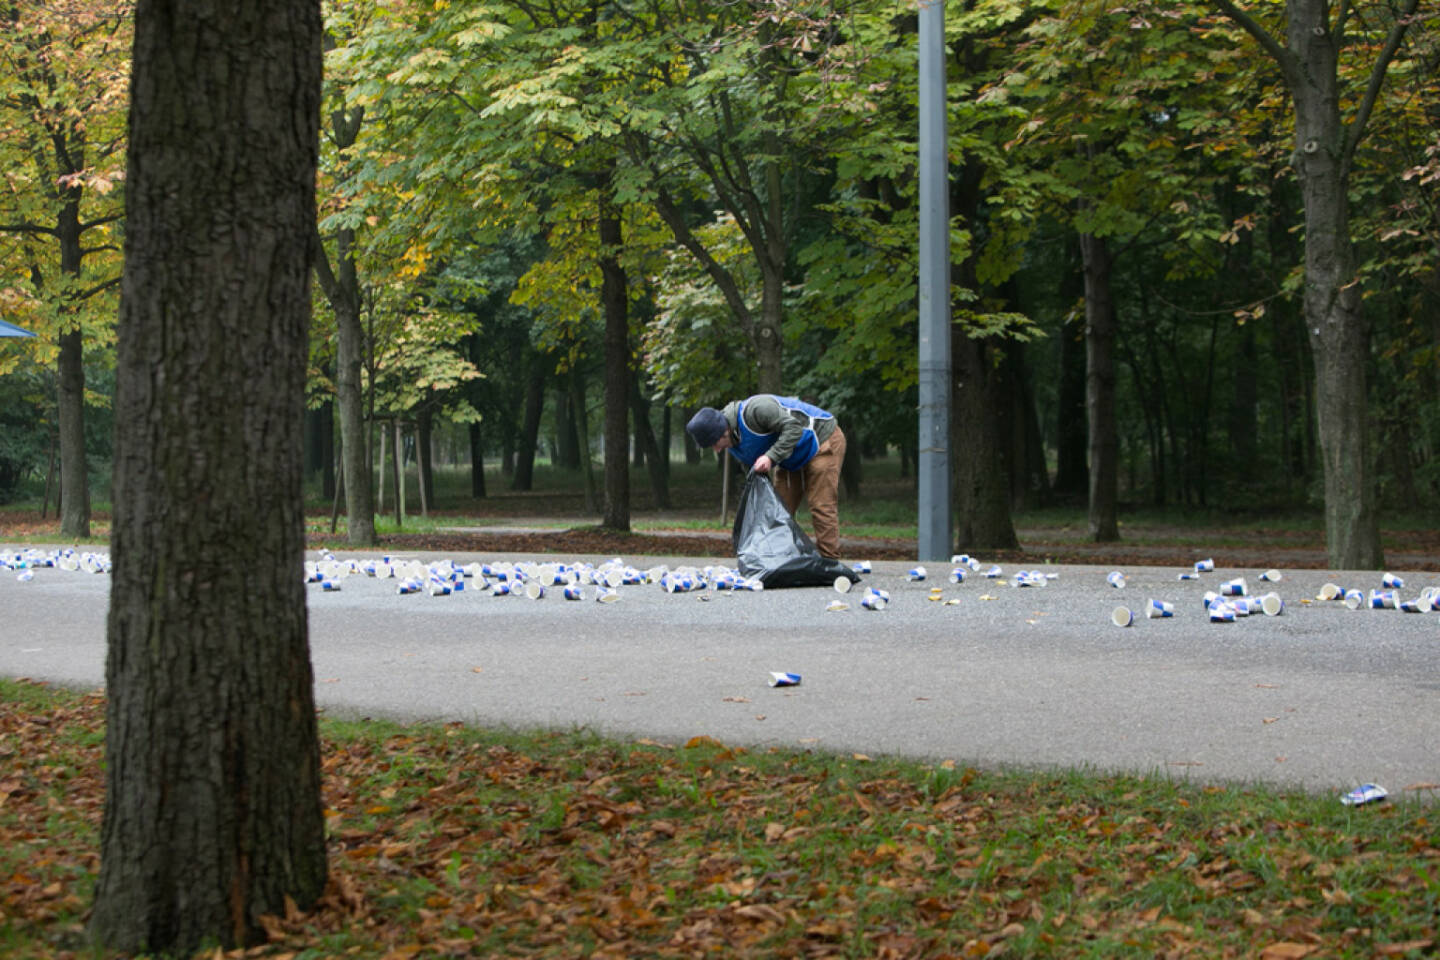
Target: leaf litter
[(448, 841)]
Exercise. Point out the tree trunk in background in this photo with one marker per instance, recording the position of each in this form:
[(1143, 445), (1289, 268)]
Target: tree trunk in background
[(645, 441), (342, 289), (567, 440), (70, 410), (1072, 471), (614, 300), (1339, 333), (212, 814), (524, 475), (982, 485), (477, 462), (1100, 389), (582, 441), (424, 458)]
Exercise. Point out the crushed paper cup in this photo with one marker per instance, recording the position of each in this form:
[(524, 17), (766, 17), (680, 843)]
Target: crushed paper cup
[(1116, 579), (606, 595), (1122, 616), (1222, 612), (861, 566), (837, 605), (1365, 793), (993, 572), (784, 679), (1188, 576), (572, 592), (1271, 576)]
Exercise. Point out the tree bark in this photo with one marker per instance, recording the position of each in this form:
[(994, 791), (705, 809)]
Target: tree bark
[(614, 300), (982, 484), (74, 474), (1339, 334), (1100, 389), (342, 289), (212, 815)]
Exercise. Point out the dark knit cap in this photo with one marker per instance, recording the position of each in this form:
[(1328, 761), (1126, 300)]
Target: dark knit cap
[(707, 426)]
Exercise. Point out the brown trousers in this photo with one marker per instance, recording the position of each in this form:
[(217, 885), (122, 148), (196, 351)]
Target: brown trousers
[(819, 483)]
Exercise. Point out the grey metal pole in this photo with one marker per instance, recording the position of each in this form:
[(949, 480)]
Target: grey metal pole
[(934, 386)]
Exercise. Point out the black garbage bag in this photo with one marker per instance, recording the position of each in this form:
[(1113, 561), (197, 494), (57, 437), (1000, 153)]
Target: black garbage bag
[(770, 545)]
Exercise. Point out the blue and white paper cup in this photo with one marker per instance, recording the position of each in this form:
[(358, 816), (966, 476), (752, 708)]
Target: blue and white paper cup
[(1354, 599), (957, 575), (1271, 605), (1392, 582), (1159, 608), (1271, 576), (572, 592), (778, 679), (1204, 566), (861, 566), (1382, 600), (1115, 578), (873, 601), (916, 573), (1222, 612), (1233, 588)]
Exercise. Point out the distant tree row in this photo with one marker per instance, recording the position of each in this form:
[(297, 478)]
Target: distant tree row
[(1194, 244)]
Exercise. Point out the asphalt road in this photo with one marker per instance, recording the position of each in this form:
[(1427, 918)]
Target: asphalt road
[(1321, 697)]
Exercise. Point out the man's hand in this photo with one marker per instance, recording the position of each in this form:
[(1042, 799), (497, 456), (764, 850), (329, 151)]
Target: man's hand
[(762, 464)]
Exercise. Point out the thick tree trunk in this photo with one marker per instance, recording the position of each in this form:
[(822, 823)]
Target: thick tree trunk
[(614, 299), (1339, 333), (212, 815), (1100, 389), (982, 484)]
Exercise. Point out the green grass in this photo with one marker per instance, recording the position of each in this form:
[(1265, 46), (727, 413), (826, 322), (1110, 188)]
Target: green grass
[(454, 841)]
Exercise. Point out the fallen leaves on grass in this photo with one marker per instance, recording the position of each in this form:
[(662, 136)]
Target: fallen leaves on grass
[(451, 842)]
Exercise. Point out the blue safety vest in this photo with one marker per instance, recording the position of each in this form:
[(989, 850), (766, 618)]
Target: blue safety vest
[(753, 444)]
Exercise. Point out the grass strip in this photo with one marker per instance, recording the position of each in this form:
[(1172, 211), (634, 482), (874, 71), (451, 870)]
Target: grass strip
[(450, 841)]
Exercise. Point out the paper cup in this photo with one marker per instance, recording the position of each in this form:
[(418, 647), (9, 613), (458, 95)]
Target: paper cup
[(1122, 616)]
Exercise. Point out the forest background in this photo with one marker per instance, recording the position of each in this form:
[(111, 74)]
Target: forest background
[(550, 231)]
